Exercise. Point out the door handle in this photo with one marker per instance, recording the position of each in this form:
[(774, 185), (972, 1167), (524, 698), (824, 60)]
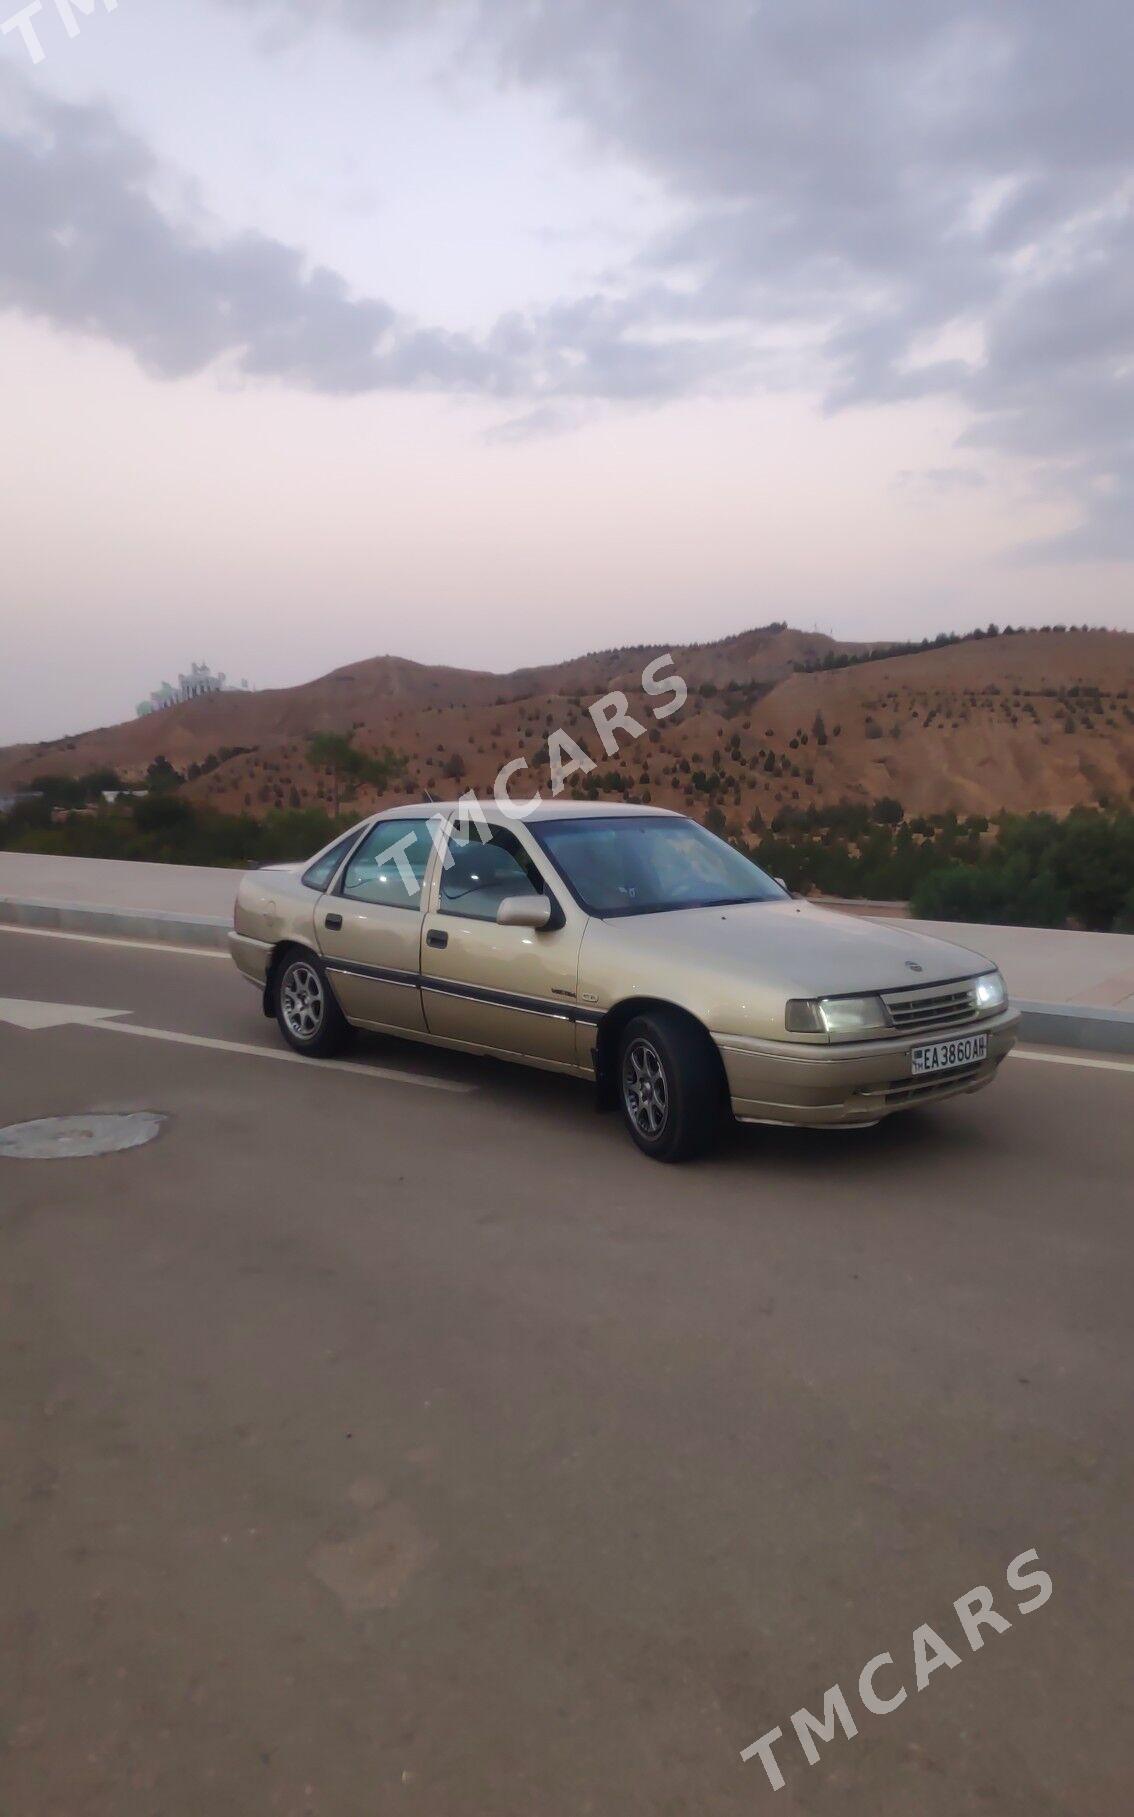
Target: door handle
[(334, 922), (436, 937)]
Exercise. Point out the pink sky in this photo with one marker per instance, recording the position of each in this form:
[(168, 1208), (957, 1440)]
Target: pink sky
[(567, 379)]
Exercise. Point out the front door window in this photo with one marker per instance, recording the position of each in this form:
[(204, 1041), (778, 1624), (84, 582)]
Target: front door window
[(483, 867)]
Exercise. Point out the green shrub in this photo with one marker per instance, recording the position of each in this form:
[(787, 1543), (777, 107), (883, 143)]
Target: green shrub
[(1004, 894)]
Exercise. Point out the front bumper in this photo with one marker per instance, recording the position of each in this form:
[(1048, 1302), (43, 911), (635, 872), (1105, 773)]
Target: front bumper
[(851, 1082)]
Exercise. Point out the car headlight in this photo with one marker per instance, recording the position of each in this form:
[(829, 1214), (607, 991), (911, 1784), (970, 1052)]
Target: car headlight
[(836, 1016), (991, 993)]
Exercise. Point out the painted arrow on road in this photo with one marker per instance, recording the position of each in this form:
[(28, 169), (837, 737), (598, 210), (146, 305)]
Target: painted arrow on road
[(25, 1012)]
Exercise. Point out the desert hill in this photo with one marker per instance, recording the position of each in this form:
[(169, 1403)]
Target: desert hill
[(1020, 721)]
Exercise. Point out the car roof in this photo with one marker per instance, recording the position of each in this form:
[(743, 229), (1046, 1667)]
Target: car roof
[(547, 810)]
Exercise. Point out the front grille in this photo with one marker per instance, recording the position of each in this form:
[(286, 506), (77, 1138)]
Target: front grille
[(931, 1007)]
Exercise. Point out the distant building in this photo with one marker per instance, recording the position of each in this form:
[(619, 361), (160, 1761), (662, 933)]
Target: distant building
[(200, 680)]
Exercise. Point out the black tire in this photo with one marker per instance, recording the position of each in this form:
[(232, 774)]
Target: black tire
[(668, 1085), (307, 1010)]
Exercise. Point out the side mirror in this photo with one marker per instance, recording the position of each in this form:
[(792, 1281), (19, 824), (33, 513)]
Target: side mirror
[(524, 911)]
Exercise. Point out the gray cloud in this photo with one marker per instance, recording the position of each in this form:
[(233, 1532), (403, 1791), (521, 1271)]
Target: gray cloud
[(87, 247), (930, 200)]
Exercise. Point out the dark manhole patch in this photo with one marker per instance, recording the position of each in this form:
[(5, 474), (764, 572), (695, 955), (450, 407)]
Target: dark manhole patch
[(76, 1138)]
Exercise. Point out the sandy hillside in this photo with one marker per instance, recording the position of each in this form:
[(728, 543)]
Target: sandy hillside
[(1036, 720)]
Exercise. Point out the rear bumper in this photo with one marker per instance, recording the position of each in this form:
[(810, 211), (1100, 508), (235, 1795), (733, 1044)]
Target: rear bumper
[(776, 1082), (251, 957)]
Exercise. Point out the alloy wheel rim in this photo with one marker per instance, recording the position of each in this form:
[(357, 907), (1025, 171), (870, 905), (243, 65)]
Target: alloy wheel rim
[(645, 1088), (302, 1001)]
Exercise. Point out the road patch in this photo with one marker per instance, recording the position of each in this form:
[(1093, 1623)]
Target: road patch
[(79, 1138)]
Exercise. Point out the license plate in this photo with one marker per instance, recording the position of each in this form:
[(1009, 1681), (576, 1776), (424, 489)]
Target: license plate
[(943, 1056)]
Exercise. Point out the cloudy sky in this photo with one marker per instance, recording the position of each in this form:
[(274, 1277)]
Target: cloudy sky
[(488, 331)]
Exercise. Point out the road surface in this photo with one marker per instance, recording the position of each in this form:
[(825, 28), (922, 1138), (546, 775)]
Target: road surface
[(375, 1447)]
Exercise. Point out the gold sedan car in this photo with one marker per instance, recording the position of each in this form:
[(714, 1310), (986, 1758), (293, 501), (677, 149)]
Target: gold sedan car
[(626, 945)]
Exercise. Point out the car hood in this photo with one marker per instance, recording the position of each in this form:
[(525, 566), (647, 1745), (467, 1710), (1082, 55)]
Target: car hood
[(808, 951)]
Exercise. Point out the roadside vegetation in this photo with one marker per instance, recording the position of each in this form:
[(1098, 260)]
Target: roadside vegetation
[(1033, 870), (98, 815), (1024, 870), (166, 828)]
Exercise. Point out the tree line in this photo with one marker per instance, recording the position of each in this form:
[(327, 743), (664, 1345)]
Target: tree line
[(852, 659)]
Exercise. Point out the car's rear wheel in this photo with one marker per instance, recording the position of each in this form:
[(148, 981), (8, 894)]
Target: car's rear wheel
[(309, 1017), (668, 1085)]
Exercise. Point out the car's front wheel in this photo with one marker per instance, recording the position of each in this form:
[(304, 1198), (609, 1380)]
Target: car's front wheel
[(668, 1086), (309, 1017)]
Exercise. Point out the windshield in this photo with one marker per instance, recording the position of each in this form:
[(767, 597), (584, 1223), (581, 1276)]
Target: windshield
[(643, 867)]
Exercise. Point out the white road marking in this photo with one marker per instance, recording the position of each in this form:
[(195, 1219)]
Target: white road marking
[(283, 1053), (1107, 1066), (24, 1013), (145, 946)]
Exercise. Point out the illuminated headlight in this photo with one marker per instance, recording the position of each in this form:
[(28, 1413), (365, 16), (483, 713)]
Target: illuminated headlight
[(991, 993), (836, 1016)]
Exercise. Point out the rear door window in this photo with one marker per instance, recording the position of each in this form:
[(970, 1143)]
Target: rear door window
[(390, 865)]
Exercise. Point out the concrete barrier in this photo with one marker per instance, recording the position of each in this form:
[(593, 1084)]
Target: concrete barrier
[(1103, 1031), (179, 904), (118, 923)]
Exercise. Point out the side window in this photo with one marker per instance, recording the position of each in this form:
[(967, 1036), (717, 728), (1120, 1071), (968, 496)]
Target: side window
[(389, 866), (318, 876), (481, 872)]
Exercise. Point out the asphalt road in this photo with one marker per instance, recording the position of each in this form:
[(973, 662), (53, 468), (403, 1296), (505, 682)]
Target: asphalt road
[(370, 1447)]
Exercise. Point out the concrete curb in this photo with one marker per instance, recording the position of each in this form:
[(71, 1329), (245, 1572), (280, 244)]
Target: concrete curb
[(124, 924), (1107, 1031)]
